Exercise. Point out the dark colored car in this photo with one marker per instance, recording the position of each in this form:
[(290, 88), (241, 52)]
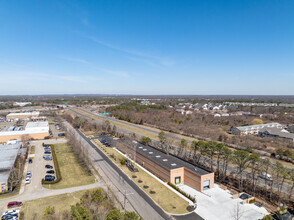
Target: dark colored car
[(30, 160), (50, 171), (14, 204), (48, 166), (46, 145), (49, 178), (47, 152), (47, 149), (61, 134), (9, 217)]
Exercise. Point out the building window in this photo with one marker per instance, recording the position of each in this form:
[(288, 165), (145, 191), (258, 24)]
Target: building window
[(177, 180), (3, 187)]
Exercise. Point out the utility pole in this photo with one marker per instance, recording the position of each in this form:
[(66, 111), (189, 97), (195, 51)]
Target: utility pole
[(125, 197)]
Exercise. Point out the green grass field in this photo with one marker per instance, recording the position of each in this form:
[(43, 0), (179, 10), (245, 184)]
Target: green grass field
[(166, 198), (73, 174)]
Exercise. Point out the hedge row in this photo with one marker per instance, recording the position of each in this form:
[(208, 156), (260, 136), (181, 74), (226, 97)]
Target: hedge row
[(182, 192), (56, 165)]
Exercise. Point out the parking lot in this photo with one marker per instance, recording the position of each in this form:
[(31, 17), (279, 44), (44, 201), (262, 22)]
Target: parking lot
[(38, 171), (54, 131), (37, 168)]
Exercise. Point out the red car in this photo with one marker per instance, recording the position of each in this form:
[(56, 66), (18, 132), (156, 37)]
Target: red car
[(14, 204)]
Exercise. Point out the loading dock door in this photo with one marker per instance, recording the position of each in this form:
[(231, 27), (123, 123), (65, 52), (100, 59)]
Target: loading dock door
[(206, 184)]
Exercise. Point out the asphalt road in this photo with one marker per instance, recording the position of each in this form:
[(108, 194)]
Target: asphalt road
[(121, 122), (137, 199)]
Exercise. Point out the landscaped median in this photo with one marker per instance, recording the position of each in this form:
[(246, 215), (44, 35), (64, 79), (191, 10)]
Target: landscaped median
[(163, 196), (68, 167), (56, 166)]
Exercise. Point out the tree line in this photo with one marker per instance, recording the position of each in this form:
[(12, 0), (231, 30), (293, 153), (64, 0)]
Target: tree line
[(236, 167)]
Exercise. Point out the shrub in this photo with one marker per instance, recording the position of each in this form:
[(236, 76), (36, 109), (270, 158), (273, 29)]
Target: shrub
[(57, 169), (182, 192), (252, 201), (123, 161)]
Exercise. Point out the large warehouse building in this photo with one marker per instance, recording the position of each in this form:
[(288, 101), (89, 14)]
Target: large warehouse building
[(170, 168), (33, 130), (8, 155), (22, 115), (253, 129)]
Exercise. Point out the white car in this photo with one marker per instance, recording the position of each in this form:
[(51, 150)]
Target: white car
[(266, 176), (28, 180), (16, 211)]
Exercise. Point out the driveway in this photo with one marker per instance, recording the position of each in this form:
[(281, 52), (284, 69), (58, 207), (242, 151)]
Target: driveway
[(35, 190)]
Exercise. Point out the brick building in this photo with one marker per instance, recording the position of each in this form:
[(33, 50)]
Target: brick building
[(169, 167)]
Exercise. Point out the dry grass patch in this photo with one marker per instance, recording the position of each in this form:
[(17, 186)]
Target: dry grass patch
[(34, 209)]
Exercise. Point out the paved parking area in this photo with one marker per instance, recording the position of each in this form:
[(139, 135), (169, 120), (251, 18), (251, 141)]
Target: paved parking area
[(54, 131), (217, 203), (37, 168)]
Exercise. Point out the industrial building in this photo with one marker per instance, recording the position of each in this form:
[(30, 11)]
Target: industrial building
[(253, 129), (169, 167), (276, 132), (8, 156), (33, 130), (22, 115)]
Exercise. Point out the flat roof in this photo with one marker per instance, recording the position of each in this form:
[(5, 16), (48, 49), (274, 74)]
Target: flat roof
[(37, 124), (8, 154), (167, 161), (4, 175), (259, 126), (24, 113)]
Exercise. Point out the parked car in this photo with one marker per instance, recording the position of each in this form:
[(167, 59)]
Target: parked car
[(28, 180), (48, 157), (49, 178), (50, 171), (61, 134), (48, 166), (9, 217), (30, 160), (266, 176), (16, 211), (14, 204), (47, 149), (47, 152), (46, 145), (29, 174)]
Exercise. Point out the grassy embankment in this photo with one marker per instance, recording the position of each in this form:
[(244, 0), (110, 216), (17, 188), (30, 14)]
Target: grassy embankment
[(167, 199)]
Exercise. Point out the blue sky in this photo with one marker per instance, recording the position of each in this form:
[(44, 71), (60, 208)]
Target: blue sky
[(147, 47)]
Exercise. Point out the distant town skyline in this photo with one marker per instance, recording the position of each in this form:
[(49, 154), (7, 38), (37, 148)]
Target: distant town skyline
[(147, 47)]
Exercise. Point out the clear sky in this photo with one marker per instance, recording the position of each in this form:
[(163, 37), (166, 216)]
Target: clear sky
[(147, 47)]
